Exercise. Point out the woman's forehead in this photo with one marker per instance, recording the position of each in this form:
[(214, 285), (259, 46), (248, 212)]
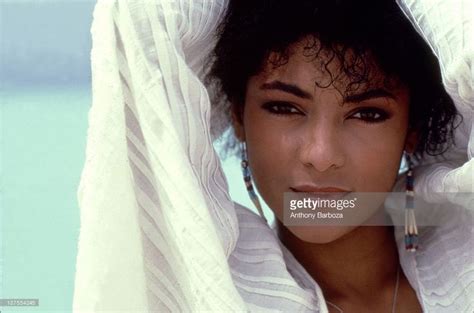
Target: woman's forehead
[(323, 68)]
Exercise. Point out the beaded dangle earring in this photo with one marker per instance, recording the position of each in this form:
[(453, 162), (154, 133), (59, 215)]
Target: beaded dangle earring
[(248, 180), (411, 231)]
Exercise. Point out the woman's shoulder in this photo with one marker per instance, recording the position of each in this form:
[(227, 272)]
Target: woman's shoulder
[(442, 269), (259, 269), (253, 230)]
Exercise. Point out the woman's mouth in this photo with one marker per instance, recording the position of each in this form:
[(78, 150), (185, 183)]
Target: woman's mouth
[(316, 189)]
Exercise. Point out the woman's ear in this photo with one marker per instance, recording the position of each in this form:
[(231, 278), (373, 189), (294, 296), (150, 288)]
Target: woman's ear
[(411, 140), (237, 123)]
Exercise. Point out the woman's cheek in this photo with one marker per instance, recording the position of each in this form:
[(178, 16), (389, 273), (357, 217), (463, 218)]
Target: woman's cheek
[(268, 158), (375, 156)]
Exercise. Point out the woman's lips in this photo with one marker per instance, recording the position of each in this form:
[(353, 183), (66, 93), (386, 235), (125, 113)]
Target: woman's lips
[(315, 189), (328, 192)]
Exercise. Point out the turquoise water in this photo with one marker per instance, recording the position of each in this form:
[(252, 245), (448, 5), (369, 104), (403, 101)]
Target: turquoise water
[(43, 141), (43, 144)]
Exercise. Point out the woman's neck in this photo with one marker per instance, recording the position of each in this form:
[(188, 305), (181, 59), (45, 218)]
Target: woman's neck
[(360, 265)]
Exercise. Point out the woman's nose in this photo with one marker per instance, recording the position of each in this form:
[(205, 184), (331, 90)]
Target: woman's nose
[(322, 147)]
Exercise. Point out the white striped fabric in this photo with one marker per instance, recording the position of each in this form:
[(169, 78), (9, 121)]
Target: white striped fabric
[(157, 223), (448, 27), (159, 232)]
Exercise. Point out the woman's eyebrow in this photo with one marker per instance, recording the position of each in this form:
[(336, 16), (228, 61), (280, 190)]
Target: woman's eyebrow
[(369, 94), (289, 88)]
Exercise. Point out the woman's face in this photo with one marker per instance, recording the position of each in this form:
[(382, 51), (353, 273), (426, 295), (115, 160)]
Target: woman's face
[(298, 134)]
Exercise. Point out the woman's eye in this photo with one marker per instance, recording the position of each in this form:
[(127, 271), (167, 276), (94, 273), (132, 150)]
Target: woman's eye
[(281, 108), (370, 115)]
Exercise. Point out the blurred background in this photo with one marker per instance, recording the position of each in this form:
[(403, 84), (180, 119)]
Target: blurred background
[(45, 97)]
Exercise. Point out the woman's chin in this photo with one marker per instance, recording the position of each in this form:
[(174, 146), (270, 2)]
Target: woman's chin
[(320, 234)]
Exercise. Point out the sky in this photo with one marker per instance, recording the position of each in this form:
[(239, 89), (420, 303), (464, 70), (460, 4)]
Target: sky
[(45, 42)]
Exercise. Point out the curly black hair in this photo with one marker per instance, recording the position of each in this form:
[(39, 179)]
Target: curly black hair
[(347, 31)]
